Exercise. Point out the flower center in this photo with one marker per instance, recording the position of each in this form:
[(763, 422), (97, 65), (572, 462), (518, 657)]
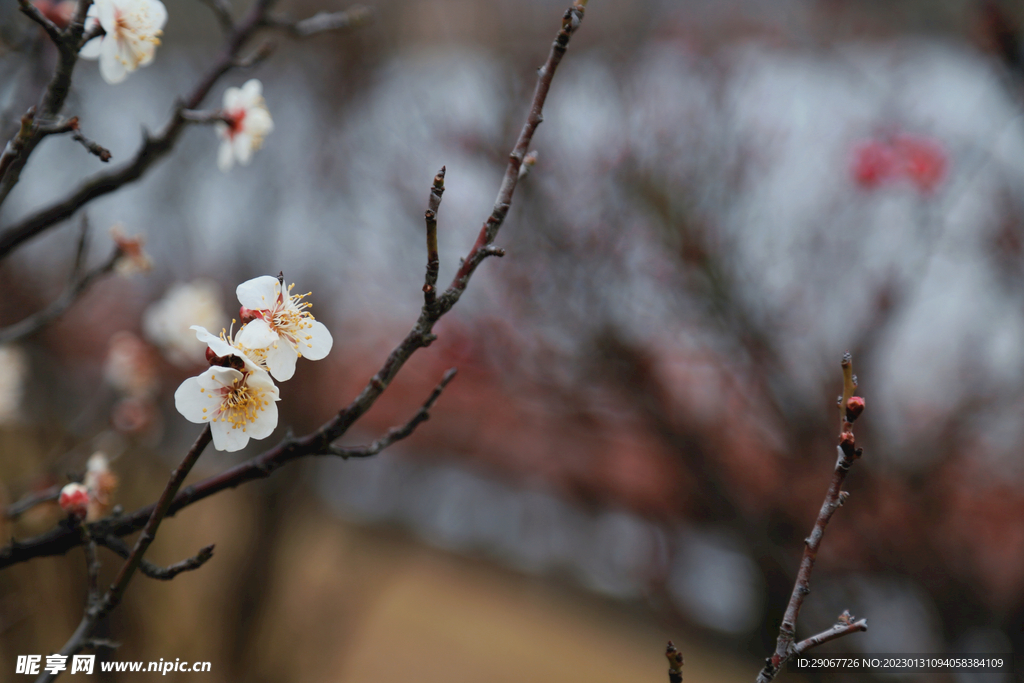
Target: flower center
[(291, 316), (235, 119), (240, 404)]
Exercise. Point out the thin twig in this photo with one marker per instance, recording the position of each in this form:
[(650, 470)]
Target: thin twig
[(396, 433), (154, 571), (433, 263), (570, 22), (59, 541), (834, 498), (30, 11), (322, 22), (840, 629), (115, 593), (93, 148), (71, 294), (92, 566), (222, 10), (17, 152), (33, 499)]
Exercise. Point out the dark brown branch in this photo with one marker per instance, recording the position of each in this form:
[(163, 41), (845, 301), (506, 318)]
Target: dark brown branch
[(433, 263), (841, 628), (834, 498), (205, 117), (115, 593), (78, 287), (17, 152), (16, 510), (92, 566), (570, 22), (222, 11), (322, 22), (30, 11), (675, 663), (396, 433), (59, 540), (157, 572), (153, 148), (92, 147)]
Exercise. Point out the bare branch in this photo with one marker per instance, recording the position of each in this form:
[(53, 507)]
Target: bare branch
[(222, 11), (396, 433), (16, 510), (71, 294), (94, 148), (205, 117), (834, 498), (155, 571), (675, 663), (115, 593), (322, 22), (433, 264), (845, 626), (18, 150), (570, 22), (30, 11)]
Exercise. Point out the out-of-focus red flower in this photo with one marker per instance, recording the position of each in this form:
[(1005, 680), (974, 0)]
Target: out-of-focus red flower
[(920, 160), (874, 162), (923, 160)]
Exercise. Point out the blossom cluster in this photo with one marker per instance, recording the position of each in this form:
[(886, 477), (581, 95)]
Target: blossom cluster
[(127, 33), (236, 395)]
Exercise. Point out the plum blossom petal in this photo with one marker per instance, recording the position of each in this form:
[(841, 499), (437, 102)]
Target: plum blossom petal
[(132, 30)]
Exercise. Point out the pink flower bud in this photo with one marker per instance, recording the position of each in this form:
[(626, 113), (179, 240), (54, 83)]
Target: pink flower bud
[(74, 500)]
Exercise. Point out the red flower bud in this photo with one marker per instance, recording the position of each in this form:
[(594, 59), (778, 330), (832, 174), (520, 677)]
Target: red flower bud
[(854, 407), (74, 500), (249, 314)]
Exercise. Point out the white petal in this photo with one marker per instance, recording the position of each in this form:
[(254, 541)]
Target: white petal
[(258, 122), (265, 423), (243, 148), (319, 341), (218, 345), (191, 400), (281, 360), (226, 438), (157, 14), (256, 335), (231, 96), (252, 93), (225, 156), (259, 293), (112, 68), (218, 377), (106, 12), (92, 49)]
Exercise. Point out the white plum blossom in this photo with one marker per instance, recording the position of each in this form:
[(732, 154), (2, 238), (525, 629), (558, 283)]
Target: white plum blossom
[(280, 324), (167, 322), (238, 405), (132, 31), (247, 123)]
